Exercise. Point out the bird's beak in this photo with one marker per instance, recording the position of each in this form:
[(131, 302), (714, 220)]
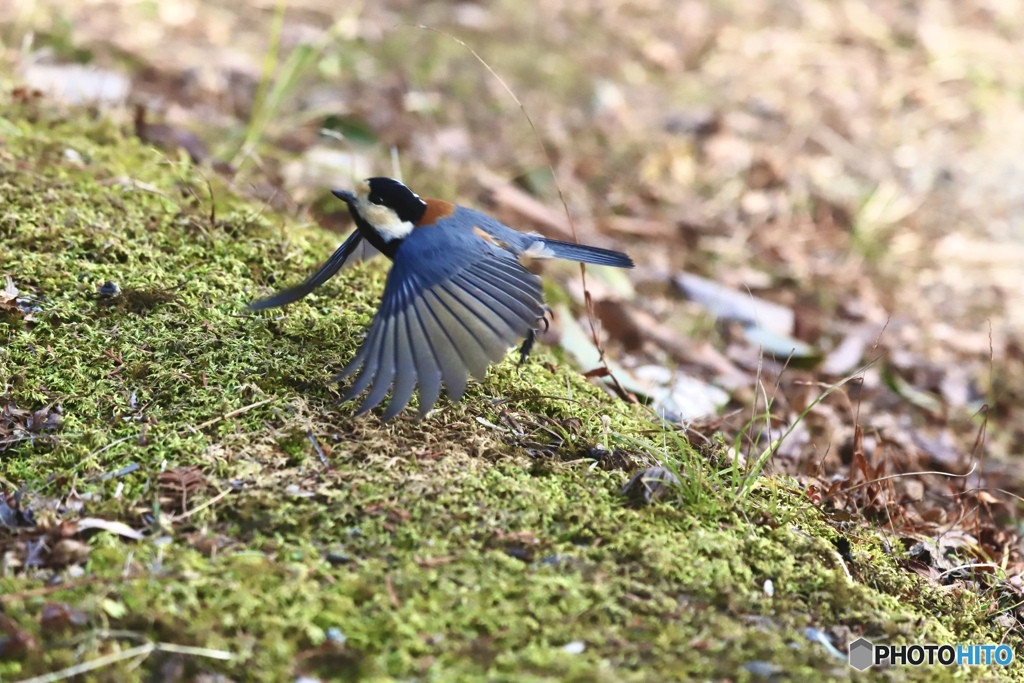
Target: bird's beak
[(344, 196)]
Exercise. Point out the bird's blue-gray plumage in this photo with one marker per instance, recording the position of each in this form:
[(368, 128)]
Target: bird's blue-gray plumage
[(453, 304), (456, 299), (352, 250), (522, 243)]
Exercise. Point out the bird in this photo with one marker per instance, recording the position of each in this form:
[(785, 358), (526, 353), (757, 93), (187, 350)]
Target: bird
[(456, 299)]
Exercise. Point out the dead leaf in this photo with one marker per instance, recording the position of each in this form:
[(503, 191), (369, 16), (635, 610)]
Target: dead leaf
[(57, 618), (78, 83), (728, 304), (9, 295), (631, 325), (69, 551), (16, 643), (845, 357), (169, 137), (677, 396)]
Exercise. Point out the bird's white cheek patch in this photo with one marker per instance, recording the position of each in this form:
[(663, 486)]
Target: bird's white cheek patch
[(385, 221), (539, 250)]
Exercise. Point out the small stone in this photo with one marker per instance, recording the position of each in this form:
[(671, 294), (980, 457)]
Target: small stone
[(651, 484), (109, 289), (72, 156), (337, 559), (760, 669)]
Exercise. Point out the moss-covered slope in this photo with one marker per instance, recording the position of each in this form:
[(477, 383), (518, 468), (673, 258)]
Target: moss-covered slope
[(435, 550)]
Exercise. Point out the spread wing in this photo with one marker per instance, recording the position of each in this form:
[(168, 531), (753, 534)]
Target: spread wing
[(353, 250), (453, 304)]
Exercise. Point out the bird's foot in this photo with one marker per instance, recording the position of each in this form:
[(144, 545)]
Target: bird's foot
[(531, 337)]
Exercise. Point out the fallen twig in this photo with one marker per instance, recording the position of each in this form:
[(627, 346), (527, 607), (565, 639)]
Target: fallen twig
[(188, 513), (141, 651), (233, 413), (319, 449)]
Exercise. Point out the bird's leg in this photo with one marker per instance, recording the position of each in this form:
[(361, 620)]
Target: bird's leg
[(531, 337), (524, 350)]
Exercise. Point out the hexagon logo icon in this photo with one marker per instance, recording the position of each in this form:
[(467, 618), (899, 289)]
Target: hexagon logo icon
[(862, 654)]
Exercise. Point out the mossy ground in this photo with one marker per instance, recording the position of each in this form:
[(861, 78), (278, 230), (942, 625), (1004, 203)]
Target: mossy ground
[(439, 549)]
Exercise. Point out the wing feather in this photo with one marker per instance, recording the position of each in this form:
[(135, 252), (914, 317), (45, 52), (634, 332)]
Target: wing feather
[(342, 254), (486, 325), (428, 372), (450, 317), (370, 363), (406, 371), (387, 367), (365, 350), (453, 304), (511, 269), (360, 357), (520, 284), (368, 356), (453, 368), (513, 311), (510, 320)]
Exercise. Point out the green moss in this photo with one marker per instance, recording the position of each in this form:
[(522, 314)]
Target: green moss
[(438, 549)]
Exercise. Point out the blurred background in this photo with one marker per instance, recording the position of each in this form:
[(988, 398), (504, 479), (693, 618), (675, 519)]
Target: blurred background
[(813, 190)]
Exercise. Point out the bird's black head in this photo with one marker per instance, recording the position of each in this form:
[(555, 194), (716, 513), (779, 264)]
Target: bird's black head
[(385, 207), (397, 197)]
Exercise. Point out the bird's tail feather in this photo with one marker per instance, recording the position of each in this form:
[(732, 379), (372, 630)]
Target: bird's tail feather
[(594, 255)]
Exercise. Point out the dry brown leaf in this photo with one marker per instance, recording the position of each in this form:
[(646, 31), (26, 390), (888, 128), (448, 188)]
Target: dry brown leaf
[(69, 551)]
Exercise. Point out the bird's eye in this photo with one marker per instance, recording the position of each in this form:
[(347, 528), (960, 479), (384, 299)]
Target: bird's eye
[(376, 199)]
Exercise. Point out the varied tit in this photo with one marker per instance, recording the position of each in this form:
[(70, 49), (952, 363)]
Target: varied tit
[(456, 299)]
